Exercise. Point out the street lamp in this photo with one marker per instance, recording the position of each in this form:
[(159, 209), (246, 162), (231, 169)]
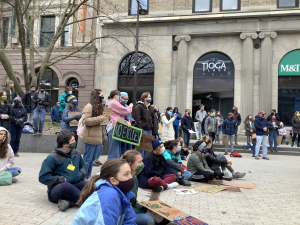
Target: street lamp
[(139, 11)]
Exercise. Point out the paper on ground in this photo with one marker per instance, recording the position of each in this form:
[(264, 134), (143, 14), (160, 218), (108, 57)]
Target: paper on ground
[(185, 191)]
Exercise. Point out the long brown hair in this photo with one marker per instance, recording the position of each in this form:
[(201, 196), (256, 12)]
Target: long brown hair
[(71, 106), (144, 96), (109, 169), (97, 106), (4, 147), (1, 94), (248, 119), (130, 156)]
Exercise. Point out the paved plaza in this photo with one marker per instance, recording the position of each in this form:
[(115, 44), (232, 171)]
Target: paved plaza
[(275, 200)]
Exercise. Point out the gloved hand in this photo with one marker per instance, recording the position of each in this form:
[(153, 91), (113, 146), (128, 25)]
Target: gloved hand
[(19, 122), (78, 117)]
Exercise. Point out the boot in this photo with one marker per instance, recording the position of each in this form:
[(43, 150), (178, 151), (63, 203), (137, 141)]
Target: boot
[(287, 142), (183, 182), (63, 205)]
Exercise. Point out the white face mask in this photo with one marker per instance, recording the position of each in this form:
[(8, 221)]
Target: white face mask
[(162, 150)]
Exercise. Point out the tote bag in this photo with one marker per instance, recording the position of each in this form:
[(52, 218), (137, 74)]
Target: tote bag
[(5, 178)]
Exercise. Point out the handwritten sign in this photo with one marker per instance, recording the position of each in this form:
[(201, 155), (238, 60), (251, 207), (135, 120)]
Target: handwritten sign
[(73, 123), (170, 213), (106, 113), (145, 143), (131, 135), (188, 220)]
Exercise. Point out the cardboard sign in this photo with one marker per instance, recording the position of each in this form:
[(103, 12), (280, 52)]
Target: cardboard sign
[(188, 220), (279, 139), (145, 143), (131, 135), (205, 187), (159, 128), (73, 123), (246, 186), (169, 212), (106, 113)]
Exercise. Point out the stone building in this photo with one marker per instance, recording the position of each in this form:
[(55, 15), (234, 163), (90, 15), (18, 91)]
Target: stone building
[(216, 52)]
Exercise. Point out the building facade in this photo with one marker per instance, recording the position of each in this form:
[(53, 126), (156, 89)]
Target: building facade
[(219, 53)]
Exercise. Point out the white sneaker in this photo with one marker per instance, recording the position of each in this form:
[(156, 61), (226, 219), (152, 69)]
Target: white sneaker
[(172, 185), (249, 149)]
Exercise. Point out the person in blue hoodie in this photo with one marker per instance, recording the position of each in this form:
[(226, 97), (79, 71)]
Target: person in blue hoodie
[(229, 128), (124, 99), (261, 126), (63, 172), (55, 115), (106, 197), (176, 121)]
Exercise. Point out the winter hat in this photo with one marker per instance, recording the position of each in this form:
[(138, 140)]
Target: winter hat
[(123, 94), (199, 145), (155, 143), (71, 98), (18, 99)]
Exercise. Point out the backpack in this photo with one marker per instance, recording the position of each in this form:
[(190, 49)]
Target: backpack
[(80, 127), (235, 154), (27, 129)]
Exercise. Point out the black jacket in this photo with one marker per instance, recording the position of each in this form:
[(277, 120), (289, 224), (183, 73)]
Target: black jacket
[(212, 158), (46, 101), (27, 101), (19, 112), (272, 128), (187, 123), (269, 118), (6, 109), (14, 94), (145, 118)]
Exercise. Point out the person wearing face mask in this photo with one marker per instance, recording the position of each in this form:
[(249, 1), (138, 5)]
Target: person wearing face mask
[(273, 113), (167, 125), (200, 115), (28, 104), (220, 122), (198, 166), (273, 133), (155, 173), (296, 128), (236, 117), (229, 130), (63, 102), (5, 111), (176, 121), (172, 155), (42, 101), (187, 124), (55, 115), (106, 197), (7, 159), (72, 107), (135, 161), (261, 126), (63, 172), (184, 150), (211, 124), (119, 112), (19, 116), (10, 91), (249, 130)]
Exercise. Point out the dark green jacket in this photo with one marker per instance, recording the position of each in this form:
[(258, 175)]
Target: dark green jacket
[(136, 206), (54, 168)]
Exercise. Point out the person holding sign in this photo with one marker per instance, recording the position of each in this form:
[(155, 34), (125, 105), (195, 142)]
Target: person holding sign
[(154, 175), (168, 132), (72, 107), (118, 113), (106, 197), (145, 119), (91, 134)]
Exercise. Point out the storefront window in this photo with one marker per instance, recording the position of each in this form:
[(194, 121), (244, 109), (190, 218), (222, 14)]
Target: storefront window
[(287, 3), (230, 5), (202, 6)]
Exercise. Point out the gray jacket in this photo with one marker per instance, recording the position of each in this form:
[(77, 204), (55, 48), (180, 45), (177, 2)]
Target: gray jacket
[(200, 115), (211, 124)]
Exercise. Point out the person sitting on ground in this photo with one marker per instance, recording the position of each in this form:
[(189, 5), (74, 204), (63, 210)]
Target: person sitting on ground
[(172, 155), (135, 161), (7, 156), (154, 175), (282, 132), (198, 166), (106, 197), (229, 128), (55, 115), (63, 172), (184, 150), (167, 120)]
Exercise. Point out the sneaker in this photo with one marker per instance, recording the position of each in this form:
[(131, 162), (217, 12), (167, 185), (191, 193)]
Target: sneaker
[(249, 149), (215, 182), (95, 164), (266, 158), (253, 155), (172, 185), (40, 133), (256, 157), (35, 132), (14, 180), (227, 177), (16, 155), (99, 163), (183, 182), (63, 205), (271, 149), (226, 153), (158, 189), (87, 178), (238, 175)]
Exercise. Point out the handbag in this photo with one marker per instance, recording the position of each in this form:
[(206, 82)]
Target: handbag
[(5, 178), (225, 140), (253, 136)]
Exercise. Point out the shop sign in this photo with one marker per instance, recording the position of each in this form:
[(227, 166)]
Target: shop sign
[(290, 64)]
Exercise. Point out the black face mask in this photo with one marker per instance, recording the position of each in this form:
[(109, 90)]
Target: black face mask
[(42, 90), (233, 111), (101, 98), (16, 103)]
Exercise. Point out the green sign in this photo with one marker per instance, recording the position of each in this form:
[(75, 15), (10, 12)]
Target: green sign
[(290, 64), (131, 135)]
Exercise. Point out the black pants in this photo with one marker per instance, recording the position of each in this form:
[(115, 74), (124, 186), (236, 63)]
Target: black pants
[(66, 191), (76, 138), (294, 137), (206, 175), (184, 153), (212, 135)]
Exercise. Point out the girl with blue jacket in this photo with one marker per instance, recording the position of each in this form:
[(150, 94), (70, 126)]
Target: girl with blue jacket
[(105, 199), (176, 121)]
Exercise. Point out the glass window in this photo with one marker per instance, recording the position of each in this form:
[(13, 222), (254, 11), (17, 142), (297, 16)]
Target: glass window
[(202, 5), (47, 30), (230, 5), (288, 3), (134, 5), (5, 25), (65, 37)]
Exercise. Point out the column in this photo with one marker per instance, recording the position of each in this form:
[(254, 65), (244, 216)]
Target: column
[(265, 81), (182, 71), (247, 73)]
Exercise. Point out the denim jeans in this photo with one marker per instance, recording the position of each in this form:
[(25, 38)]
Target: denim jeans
[(124, 147), (15, 171), (187, 137), (217, 137), (253, 149), (249, 142), (176, 129), (186, 175), (91, 153), (264, 141), (15, 132), (36, 112), (144, 153), (273, 137), (114, 147), (199, 130), (144, 219)]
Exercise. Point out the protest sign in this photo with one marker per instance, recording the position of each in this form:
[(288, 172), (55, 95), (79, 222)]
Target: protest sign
[(145, 143), (106, 113), (131, 135), (73, 123)]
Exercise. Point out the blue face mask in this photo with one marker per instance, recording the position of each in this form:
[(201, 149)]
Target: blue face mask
[(170, 113), (204, 151), (70, 92), (214, 114), (149, 100), (74, 103), (179, 149)]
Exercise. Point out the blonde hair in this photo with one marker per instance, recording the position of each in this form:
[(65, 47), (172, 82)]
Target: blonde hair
[(206, 139)]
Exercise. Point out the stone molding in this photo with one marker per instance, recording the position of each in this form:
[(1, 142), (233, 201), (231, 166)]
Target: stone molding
[(245, 35), (183, 37), (272, 34)]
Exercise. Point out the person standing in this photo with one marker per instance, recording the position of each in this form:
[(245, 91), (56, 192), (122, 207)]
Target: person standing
[(55, 115), (176, 121), (17, 123), (273, 132), (249, 130), (273, 113), (237, 117), (211, 124), (124, 100), (167, 128), (229, 128), (187, 125), (296, 128), (220, 122), (261, 126), (41, 100), (5, 111), (10, 91), (63, 102), (200, 115), (145, 119), (28, 104)]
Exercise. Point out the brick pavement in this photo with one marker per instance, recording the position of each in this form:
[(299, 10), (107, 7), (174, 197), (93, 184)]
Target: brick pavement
[(274, 201)]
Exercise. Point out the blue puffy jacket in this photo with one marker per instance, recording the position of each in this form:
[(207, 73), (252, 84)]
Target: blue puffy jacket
[(55, 115), (106, 206), (229, 126), (67, 119), (259, 124)]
